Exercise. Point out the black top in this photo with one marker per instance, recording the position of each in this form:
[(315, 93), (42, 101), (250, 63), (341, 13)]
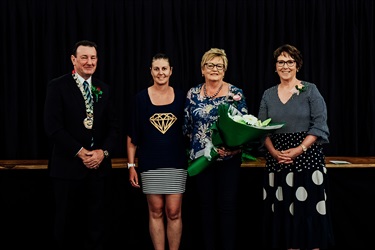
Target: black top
[(157, 132), (64, 114)]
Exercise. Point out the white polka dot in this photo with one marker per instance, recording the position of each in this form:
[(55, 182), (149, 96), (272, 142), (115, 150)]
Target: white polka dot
[(289, 179), (279, 194), (271, 179), (321, 207), (264, 194), (291, 208), (317, 177), (273, 207), (301, 194)]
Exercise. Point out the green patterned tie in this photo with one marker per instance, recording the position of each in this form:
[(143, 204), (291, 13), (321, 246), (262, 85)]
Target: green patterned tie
[(89, 100), (86, 87)]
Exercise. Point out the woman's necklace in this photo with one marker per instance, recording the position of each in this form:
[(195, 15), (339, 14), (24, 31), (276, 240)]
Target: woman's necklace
[(214, 95)]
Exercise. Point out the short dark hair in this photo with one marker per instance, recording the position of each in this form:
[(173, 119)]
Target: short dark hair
[(85, 43), (292, 51), (161, 56)]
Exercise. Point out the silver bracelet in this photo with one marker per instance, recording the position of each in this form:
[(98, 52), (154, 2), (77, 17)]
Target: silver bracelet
[(131, 165)]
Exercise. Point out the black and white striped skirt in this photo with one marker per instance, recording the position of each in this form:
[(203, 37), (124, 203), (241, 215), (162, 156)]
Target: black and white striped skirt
[(164, 181)]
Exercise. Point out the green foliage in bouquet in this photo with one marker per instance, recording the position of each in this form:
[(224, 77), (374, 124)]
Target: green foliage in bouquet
[(233, 133), (233, 130)]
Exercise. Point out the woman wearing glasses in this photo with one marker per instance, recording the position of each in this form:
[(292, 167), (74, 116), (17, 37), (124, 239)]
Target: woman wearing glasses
[(296, 211), (217, 185)]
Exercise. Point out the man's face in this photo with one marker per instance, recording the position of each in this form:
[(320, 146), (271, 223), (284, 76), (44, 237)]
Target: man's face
[(85, 61)]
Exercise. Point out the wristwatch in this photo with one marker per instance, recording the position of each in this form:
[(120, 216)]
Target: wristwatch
[(106, 154), (304, 149)]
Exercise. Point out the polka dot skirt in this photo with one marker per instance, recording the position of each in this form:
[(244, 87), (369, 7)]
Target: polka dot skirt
[(295, 197)]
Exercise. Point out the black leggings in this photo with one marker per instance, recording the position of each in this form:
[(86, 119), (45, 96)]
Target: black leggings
[(217, 188)]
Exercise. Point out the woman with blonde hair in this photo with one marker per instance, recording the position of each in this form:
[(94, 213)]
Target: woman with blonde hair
[(218, 184)]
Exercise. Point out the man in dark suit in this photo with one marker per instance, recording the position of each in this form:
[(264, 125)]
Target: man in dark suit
[(83, 128)]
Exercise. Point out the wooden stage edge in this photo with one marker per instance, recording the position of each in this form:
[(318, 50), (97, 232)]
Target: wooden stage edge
[(331, 162)]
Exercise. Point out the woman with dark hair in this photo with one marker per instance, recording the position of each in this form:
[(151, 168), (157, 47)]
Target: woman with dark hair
[(156, 135), (295, 190)]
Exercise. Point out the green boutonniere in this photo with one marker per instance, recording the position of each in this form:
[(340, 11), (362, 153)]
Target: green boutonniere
[(297, 90), (97, 92), (302, 89)]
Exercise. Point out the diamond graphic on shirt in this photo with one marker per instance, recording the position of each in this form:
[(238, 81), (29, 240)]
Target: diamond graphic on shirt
[(163, 121)]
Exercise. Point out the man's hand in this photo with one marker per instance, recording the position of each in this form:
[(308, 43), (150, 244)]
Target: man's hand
[(91, 159)]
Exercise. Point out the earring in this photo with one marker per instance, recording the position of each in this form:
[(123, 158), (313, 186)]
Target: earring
[(275, 70), (202, 75)]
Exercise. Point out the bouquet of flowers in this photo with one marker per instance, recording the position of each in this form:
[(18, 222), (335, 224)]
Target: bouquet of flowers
[(232, 130)]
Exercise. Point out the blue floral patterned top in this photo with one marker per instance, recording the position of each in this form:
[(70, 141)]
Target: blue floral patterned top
[(202, 112)]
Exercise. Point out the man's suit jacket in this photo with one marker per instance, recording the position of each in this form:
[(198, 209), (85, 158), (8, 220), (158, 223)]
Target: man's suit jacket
[(63, 120)]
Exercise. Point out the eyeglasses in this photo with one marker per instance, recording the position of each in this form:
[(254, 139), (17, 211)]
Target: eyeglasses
[(212, 66), (290, 63)]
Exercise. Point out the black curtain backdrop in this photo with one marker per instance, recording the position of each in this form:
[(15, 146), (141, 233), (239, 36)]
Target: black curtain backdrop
[(336, 39)]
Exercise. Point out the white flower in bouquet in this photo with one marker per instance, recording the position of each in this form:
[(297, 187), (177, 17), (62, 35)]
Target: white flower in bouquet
[(252, 120), (249, 120)]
